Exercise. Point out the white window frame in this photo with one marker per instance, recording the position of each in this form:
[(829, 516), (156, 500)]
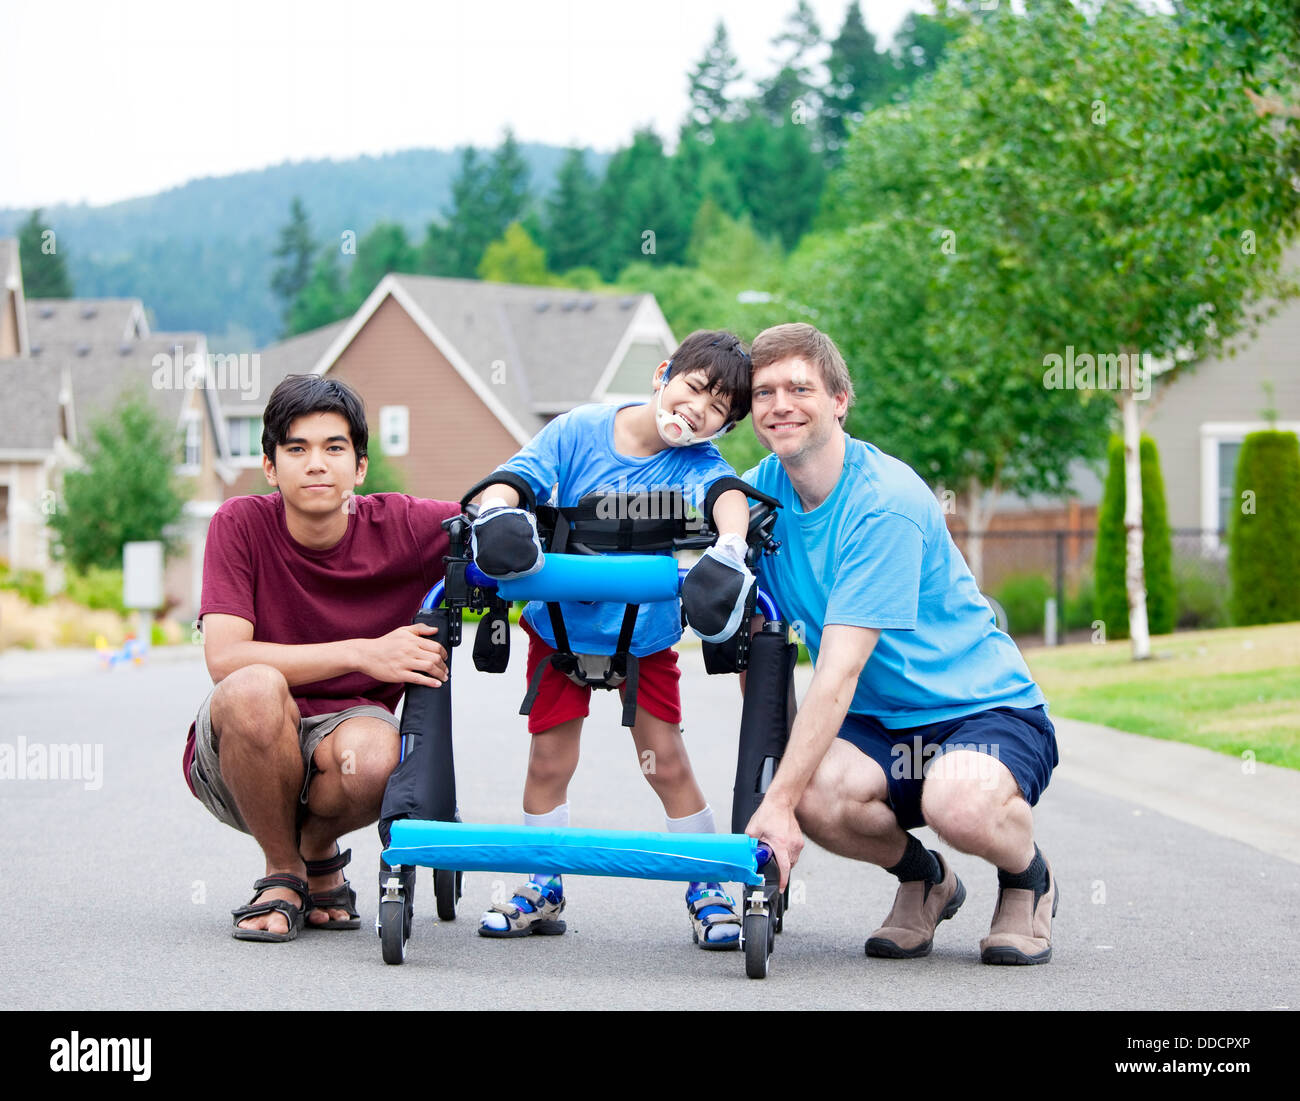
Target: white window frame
[(254, 460), (1214, 433), (395, 420), (193, 440)]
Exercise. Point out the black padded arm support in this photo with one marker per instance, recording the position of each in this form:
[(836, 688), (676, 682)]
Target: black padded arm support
[(527, 498), (722, 485), (423, 785), (765, 722)]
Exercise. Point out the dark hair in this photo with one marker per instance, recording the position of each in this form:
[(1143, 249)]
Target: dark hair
[(725, 363), (301, 395)]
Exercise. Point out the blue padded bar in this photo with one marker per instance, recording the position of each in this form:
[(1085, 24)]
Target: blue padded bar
[(471, 847), (621, 578)]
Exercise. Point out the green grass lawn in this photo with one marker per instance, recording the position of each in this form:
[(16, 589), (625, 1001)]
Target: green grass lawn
[(1229, 690)]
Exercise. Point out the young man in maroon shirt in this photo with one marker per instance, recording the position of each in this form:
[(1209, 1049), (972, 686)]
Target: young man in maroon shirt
[(308, 595)]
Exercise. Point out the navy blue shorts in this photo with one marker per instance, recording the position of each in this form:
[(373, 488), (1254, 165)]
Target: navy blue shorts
[(1023, 739)]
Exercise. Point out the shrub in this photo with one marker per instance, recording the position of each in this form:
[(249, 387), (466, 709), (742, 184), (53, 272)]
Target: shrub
[(1202, 588), (1023, 597), (96, 588), (1157, 549), (1264, 532), (29, 584)]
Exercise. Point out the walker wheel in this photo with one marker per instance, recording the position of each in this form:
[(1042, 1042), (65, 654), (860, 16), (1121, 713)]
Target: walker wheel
[(758, 933), (392, 929), (446, 889)]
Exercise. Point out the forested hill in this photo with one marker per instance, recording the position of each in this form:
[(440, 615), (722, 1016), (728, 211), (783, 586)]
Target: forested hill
[(199, 255)]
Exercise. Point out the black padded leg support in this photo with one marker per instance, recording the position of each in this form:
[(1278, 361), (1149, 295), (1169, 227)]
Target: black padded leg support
[(423, 785), (764, 722)]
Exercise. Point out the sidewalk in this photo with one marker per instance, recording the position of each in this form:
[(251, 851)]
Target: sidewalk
[(26, 665)]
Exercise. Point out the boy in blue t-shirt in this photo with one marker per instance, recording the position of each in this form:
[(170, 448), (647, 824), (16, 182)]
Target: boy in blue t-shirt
[(648, 448)]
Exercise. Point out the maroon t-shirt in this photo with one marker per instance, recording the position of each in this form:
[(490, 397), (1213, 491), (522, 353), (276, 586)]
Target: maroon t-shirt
[(369, 583)]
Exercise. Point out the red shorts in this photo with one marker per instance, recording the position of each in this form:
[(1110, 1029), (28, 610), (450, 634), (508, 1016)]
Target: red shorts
[(559, 699)]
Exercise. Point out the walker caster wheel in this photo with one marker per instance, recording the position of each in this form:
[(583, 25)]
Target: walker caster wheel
[(392, 930), (758, 931), (447, 890)]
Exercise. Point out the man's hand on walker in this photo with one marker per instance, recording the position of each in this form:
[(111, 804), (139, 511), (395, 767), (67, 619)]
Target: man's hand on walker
[(774, 824), (406, 656)]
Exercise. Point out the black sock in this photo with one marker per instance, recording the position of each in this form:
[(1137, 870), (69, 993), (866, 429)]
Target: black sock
[(918, 863), (1033, 878)]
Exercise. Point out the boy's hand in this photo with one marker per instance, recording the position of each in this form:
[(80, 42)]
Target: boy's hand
[(716, 589), (505, 543), (406, 656)]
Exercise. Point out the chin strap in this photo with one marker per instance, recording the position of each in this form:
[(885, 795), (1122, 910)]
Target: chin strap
[(687, 437)]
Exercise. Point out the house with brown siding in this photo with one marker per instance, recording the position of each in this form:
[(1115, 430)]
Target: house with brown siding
[(458, 374)]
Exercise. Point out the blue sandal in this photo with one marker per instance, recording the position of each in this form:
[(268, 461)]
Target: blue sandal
[(711, 908)]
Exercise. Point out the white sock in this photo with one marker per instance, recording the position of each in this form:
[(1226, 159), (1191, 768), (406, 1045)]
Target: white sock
[(699, 822), (557, 816)]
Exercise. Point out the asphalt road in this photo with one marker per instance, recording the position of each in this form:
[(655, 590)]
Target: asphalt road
[(118, 896)]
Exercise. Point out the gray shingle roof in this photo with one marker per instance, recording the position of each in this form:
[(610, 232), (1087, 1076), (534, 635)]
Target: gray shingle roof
[(29, 394), (296, 355), (554, 342), (102, 375), (98, 324)]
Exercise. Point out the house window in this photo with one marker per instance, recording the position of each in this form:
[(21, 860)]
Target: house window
[(1227, 479), (245, 435), (192, 448), (394, 429)]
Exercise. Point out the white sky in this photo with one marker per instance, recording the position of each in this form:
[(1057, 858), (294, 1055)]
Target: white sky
[(110, 99)]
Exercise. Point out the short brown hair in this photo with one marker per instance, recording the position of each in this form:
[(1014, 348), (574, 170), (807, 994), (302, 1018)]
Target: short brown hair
[(797, 339)]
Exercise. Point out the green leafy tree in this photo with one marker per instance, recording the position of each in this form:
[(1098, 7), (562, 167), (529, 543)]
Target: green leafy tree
[(572, 232), (294, 253), (1157, 546), (1264, 530), (515, 258), (999, 167), (382, 474), (127, 490), (45, 271)]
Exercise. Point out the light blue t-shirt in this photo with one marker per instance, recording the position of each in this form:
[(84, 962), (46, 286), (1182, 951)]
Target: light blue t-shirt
[(574, 455), (877, 553)]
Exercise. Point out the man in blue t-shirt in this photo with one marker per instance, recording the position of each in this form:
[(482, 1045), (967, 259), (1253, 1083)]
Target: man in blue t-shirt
[(920, 711)]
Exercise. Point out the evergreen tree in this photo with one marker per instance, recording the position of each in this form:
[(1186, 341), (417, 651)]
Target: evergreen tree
[(126, 492), (321, 301), (920, 44), (1264, 530), (506, 185), (793, 93), (383, 475), (571, 230), (644, 209), (455, 246), (1157, 549), (45, 273), (712, 76), (295, 253), (861, 77), (384, 249)]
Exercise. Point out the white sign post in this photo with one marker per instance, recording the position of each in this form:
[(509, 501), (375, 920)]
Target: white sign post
[(142, 584)]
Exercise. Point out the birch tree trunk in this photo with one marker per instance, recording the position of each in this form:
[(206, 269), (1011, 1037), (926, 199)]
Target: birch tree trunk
[(1134, 573), (979, 506)]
